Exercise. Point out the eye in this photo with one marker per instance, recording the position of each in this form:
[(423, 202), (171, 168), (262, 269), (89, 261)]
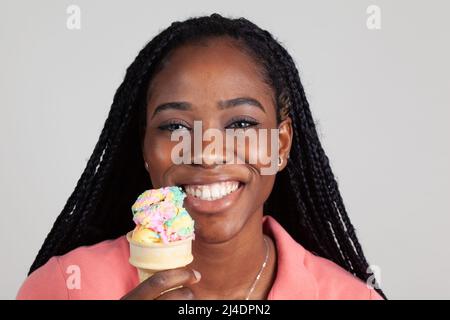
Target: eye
[(242, 123), (173, 125)]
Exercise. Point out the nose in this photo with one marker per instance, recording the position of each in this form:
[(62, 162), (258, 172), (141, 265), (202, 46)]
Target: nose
[(209, 148), (208, 158)]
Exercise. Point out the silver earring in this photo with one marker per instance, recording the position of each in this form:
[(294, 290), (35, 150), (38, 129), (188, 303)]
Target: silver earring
[(280, 161), (146, 165)]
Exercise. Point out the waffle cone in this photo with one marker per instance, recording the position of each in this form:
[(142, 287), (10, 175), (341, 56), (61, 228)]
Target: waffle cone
[(154, 257)]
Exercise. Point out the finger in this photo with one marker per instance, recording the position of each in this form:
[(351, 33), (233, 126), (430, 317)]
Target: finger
[(183, 293), (163, 280)]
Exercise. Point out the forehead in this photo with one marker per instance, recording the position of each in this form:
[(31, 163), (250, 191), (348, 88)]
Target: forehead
[(217, 69)]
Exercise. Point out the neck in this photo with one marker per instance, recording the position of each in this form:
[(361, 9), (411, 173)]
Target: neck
[(230, 268)]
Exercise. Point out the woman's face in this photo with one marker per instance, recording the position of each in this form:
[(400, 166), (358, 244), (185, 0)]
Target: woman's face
[(194, 85)]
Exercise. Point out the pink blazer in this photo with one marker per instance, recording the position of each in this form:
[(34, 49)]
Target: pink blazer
[(104, 273)]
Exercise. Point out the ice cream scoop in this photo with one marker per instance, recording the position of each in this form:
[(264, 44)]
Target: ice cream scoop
[(162, 238), (160, 217)]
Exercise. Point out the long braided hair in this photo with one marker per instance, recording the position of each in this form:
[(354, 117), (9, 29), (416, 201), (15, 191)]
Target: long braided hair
[(305, 198)]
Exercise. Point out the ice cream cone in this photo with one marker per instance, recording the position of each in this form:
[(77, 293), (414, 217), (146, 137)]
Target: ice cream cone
[(149, 258)]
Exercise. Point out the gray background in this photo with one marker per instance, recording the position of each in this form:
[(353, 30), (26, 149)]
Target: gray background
[(380, 97)]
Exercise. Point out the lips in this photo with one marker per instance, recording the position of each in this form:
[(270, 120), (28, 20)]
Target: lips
[(211, 194), (211, 191)]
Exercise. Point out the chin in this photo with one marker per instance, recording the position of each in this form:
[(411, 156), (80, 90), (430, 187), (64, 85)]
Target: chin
[(215, 231)]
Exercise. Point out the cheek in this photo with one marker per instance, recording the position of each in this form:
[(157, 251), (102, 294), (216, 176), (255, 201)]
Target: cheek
[(157, 154), (261, 151), (260, 189), (262, 160)]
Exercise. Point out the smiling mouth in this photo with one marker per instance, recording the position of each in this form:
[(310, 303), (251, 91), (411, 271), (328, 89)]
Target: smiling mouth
[(212, 191)]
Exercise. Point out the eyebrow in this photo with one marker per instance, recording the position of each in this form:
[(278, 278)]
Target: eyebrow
[(223, 104), (240, 101), (172, 105)]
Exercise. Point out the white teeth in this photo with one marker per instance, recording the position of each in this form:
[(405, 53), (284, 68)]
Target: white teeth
[(206, 193), (215, 191), (212, 191)]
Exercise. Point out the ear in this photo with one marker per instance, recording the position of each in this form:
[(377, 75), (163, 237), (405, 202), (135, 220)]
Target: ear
[(285, 140)]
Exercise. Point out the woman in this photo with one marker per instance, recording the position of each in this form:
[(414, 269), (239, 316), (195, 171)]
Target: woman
[(277, 236)]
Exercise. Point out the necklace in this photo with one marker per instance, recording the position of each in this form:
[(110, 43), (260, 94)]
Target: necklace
[(260, 271)]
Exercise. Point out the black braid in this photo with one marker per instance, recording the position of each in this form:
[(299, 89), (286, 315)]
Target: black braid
[(305, 198), (328, 196)]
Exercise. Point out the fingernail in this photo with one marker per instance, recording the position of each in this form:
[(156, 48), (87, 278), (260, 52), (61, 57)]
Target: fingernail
[(197, 275)]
